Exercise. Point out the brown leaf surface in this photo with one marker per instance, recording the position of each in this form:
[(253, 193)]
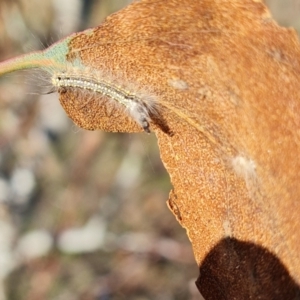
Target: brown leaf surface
[(226, 77)]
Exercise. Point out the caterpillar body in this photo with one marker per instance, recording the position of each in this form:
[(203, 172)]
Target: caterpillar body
[(139, 107)]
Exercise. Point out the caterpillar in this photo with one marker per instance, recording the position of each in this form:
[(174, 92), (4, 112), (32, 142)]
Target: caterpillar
[(139, 107)]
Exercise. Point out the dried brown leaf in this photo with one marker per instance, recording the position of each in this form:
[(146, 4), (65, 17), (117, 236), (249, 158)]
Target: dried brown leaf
[(226, 80)]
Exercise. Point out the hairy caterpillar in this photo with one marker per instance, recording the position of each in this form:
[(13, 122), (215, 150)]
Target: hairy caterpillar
[(139, 107)]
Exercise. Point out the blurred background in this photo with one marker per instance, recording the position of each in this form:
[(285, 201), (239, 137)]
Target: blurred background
[(83, 215)]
